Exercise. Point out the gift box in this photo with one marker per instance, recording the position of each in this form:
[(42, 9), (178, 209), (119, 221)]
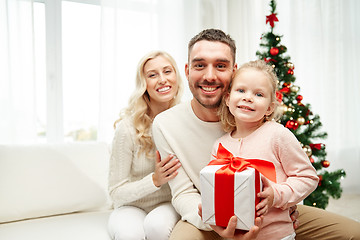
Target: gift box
[(229, 186), (242, 203)]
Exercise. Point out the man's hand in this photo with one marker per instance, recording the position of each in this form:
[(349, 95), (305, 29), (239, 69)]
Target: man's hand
[(294, 214), (231, 232)]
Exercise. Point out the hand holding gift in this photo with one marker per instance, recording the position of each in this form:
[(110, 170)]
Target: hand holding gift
[(229, 186), (232, 233), (267, 196)]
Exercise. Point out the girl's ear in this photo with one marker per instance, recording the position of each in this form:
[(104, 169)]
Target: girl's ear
[(270, 109)]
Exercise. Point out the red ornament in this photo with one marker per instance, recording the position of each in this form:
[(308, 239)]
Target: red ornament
[(317, 146), (325, 163), (290, 71), (312, 160), (291, 124), (320, 179), (299, 98), (274, 51), (285, 90), (279, 96), (271, 19), (286, 84), (269, 60)]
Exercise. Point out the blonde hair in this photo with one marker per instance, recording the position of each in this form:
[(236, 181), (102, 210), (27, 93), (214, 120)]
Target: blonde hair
[(139, 103), (226, 118)]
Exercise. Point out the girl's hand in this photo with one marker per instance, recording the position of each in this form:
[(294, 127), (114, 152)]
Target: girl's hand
[(165, 169), (267, 196)]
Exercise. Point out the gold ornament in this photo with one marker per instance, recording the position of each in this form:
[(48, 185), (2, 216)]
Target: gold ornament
[(290, 65), (307, 150), (283, 108), (300, 120), (294, 88)]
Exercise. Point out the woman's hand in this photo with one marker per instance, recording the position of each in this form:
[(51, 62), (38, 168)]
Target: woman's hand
[(165, 169), (231, 232), (267, 198)]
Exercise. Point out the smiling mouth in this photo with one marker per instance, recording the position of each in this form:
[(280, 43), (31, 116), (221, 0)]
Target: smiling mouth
[(164, 89), (246, 108), (208, 89)]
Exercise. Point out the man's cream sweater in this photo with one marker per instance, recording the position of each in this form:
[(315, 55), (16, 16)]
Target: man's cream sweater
[(178, 131)]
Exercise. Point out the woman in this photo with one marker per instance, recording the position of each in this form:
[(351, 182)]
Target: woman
[(138, 177)]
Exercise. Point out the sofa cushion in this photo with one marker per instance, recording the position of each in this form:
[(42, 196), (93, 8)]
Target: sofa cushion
[(49, 179), (76, 226)]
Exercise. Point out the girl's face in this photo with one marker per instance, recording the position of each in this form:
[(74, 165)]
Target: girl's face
[(250, 97), (161, 80)]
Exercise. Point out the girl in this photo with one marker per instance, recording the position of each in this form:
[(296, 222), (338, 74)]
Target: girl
[(138, 177), (248, 113)]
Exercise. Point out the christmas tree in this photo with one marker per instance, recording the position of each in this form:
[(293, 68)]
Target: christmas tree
[(298, 116)]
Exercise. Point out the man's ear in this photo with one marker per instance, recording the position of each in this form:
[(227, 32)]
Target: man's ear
[(235, 67), (187, 71), (227, 97)]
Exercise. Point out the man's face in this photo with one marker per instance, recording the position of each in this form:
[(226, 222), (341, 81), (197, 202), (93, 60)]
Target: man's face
[(209, 72)]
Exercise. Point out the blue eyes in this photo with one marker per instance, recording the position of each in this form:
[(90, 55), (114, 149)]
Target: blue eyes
[(256, 94)]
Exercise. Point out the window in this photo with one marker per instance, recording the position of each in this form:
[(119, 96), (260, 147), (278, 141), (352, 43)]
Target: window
[(40, 70), (76, 83), (81, 70), (68, 95), (78, 63)]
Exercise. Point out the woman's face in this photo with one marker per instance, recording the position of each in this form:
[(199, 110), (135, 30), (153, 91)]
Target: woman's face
[(161, 80)]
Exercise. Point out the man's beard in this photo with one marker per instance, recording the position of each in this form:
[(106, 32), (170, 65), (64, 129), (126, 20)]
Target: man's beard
[(198, 96), (209, 106)]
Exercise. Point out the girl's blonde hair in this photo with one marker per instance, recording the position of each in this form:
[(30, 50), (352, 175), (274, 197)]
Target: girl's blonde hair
[(139, 103), (226, 118)]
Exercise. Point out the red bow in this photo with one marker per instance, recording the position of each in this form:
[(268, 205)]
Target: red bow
[(271, 19), (224, 181), (237, 164)]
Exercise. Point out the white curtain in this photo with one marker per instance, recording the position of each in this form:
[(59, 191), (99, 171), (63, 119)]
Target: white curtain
[(130, 29), (17, 80)]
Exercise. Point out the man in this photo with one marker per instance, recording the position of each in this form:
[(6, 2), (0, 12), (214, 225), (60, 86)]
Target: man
[(189, 130)]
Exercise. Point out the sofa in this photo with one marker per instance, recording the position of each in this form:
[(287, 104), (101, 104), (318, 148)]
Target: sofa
[(54, 191)]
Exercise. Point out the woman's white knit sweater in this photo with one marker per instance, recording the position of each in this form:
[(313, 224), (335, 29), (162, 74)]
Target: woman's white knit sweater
[(130, 174)]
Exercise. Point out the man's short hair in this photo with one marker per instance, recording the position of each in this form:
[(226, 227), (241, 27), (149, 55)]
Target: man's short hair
[(215, 35)]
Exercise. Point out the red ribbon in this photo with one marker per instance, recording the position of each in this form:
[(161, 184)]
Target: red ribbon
[(224, 181), (279, 96), (271, 19), (316, 146)]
